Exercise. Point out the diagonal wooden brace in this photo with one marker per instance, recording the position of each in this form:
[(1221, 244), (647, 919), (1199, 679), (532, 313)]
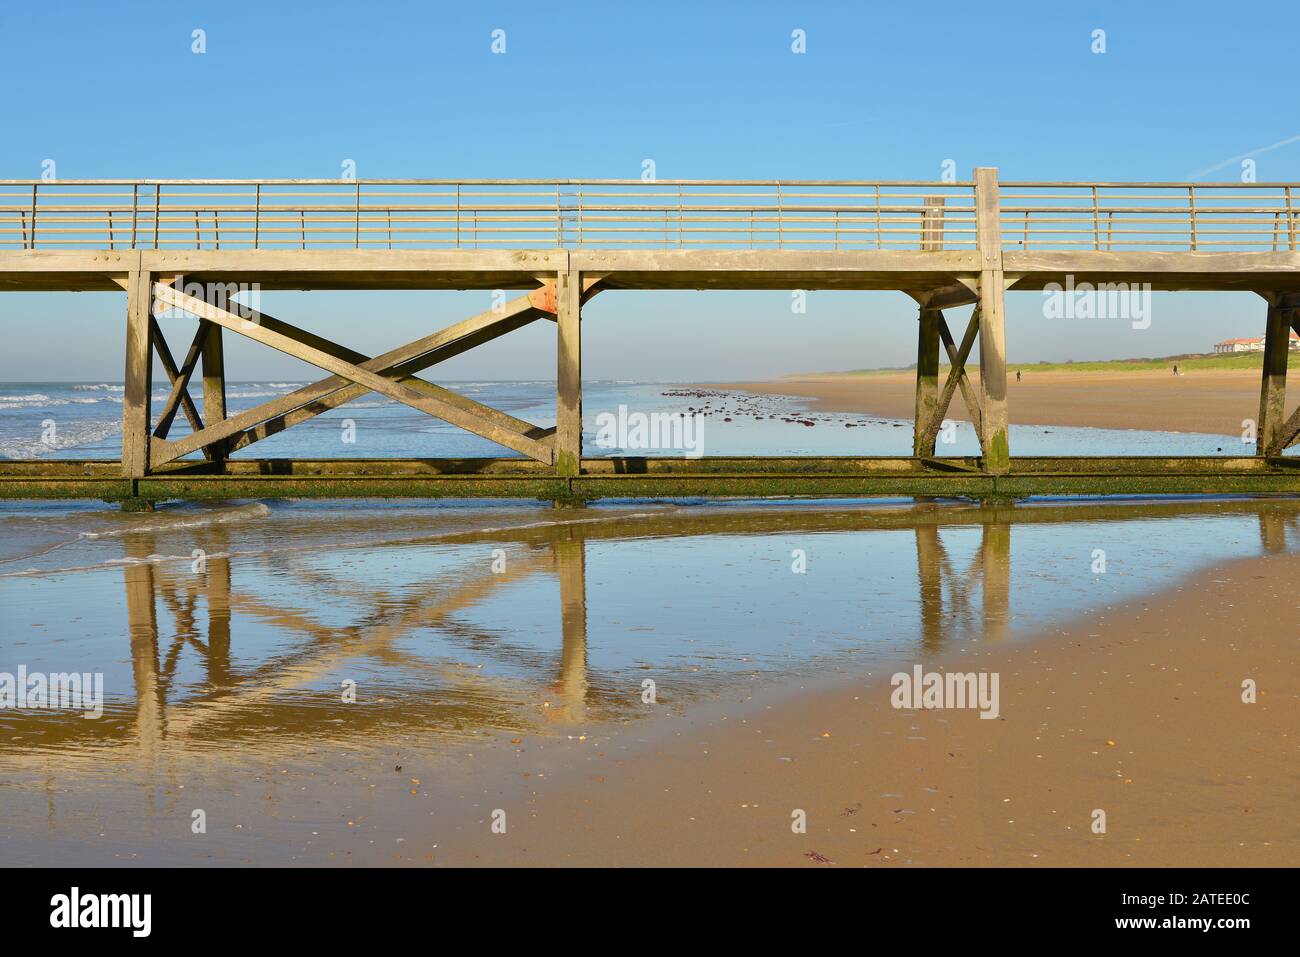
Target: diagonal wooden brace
[(306, 346), (179, 378), (274, 416), (304, 403), (957, 378), (396, 365)]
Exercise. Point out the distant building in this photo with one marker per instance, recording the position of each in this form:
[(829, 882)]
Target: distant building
[(1251, 345)]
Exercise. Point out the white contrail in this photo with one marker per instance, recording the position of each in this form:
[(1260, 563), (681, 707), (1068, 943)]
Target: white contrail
[(1236, 159)]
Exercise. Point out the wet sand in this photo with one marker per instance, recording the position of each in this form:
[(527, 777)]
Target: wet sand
[(1211, 402), (1137, 713), (1133, 707)]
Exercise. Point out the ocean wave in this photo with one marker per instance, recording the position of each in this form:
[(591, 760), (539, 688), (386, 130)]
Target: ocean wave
[(101, 387), (225, 516), (155, 559), (69, 436)]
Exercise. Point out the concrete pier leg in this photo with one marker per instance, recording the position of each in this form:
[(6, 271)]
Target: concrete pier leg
[(138, 377), (568, 377)]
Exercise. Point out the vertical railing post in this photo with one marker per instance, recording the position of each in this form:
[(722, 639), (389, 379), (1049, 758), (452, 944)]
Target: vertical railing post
[(879, 238), (33, 244), (931, 225), (257, 213), (1096, 221), (1290, 220), (157, 211), (357, 218), (992, 331), (1191, 203), (780, 219), (681, 218), (135, 204)]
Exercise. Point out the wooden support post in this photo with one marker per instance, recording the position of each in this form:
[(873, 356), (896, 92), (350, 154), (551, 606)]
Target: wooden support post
[(1272, 389), (927, 340), (927, 381), (568, 376), (993, 352), (214, 383), (139, 376)]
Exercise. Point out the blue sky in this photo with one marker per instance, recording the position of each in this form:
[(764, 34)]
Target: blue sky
[(885, 91)]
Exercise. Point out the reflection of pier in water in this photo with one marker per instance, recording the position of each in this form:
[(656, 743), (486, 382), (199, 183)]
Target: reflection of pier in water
[(267, 705), (463, 698)]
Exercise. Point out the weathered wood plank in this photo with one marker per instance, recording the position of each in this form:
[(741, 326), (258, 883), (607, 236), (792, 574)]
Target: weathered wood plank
[(568, 377), (251, 425), (179, 398), (993, 350), (138, 377), (957, 378), (927, 380), (1270, 427), (301, 345), (214, 382)]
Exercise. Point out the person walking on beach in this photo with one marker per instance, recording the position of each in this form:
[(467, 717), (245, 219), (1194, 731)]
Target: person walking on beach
[(1175, 368), (1017, 375)]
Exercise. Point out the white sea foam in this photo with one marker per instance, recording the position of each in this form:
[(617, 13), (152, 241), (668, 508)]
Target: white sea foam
[(170, 523), (69, 436)]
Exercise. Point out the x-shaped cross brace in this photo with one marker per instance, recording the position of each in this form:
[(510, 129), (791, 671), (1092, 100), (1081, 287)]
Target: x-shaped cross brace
[(354, 374)]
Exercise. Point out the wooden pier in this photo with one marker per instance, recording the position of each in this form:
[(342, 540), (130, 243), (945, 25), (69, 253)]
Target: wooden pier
[(559, 243)]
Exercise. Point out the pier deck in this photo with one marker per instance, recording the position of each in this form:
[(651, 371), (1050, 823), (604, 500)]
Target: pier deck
[(187, 248)]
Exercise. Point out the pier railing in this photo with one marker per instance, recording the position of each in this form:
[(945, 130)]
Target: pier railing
[(1178, 217), (636, 214)]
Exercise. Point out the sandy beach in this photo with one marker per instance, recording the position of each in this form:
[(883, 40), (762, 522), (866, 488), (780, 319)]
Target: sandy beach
[(1134, 709), (1213, 402), (1138, 713)]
